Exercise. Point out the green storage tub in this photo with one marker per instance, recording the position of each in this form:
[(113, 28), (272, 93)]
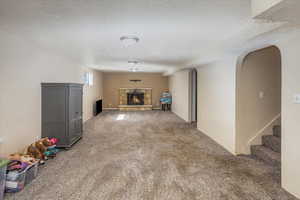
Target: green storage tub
[(3, 165)]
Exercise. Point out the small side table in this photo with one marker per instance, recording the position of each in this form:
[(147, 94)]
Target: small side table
[(166, 106)]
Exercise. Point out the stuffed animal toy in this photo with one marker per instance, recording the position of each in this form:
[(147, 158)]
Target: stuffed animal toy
[(42, 148), (46, 147), (54, 141), (51, 151), (23, 158), (39, 144), (46, 142), (39, 150), (15, 156), (33, 151), (28, 159)]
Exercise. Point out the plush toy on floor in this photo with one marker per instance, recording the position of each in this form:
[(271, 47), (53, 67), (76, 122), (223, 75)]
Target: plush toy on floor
[(23, 158), (51, 152), (53, 141), (33, 151), (51, 147), (42, 148)]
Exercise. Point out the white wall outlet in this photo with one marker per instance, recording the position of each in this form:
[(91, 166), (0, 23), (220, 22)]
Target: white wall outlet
[(297, 98), (1, 140)]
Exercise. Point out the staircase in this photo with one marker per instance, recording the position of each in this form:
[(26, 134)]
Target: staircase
[(270, 150)]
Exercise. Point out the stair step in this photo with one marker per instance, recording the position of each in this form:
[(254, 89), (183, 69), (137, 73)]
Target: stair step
[(267, 155), (277, 131), (272, 142)]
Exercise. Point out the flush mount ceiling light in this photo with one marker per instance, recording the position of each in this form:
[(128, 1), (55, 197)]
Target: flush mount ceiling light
[(133, 65), (134, 69), (133, 62), (129, 40)]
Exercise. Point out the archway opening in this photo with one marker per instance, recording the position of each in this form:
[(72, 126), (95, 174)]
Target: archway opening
[(258, 105)]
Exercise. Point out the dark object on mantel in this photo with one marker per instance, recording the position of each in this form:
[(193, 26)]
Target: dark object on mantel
[(62, 112), (98, 107), (135, 81)]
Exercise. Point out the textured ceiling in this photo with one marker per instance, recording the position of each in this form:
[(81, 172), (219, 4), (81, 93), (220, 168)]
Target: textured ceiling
[(173, 33)]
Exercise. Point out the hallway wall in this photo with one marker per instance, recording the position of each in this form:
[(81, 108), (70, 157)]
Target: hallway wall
[(258, 96), (216, 101), (290, 49), (23, 66), (179, 87), (92, 93)]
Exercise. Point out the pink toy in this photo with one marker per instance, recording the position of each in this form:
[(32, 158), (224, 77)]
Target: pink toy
[(53, 141)]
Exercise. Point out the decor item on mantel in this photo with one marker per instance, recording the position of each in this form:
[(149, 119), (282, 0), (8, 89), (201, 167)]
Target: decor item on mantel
[(131, 99)]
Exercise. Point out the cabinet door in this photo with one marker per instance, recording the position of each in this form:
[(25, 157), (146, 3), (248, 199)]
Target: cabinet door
[(75, 113), (54, 113)]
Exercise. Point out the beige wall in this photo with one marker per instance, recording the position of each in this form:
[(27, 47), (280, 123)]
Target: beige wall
[(179, 88), (290, 114), (23, 66), (216, 101), (258, 96), (113, 81), (92, 93)]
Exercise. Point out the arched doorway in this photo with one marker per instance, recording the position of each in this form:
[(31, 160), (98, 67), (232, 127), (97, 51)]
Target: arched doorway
[(258, 103)]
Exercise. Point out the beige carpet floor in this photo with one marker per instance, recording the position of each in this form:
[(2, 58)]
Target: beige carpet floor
[(149, 156)]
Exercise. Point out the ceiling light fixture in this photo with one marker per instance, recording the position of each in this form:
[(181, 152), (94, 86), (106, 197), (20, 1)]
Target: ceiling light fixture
[(133, 65), (133, 62), (129, 40), (134, 69)]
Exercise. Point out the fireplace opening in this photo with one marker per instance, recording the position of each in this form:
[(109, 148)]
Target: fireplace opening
[(135, 98)]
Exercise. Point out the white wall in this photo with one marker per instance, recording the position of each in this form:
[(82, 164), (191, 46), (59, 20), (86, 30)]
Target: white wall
[(259, 6), (216, 101), (92, 93), (290, 115), (23, 66), (179, 88)]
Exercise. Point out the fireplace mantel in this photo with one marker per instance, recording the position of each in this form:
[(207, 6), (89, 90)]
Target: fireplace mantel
[(123, 104)]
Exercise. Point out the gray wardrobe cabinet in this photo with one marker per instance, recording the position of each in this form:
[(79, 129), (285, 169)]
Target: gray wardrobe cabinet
[(62, 112)]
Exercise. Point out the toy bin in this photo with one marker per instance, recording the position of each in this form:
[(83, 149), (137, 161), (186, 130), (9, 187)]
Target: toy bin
[(3, 165), (15, 181), (31, 173)]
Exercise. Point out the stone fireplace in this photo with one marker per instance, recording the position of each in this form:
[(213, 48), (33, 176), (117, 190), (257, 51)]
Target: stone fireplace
[(135, 99)]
